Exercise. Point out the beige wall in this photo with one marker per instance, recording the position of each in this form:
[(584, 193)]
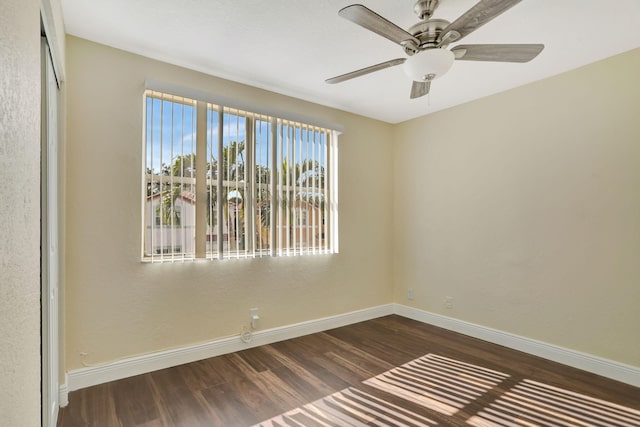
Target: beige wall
[(521, 206), (525, 208), (20, 213), (117, 306)]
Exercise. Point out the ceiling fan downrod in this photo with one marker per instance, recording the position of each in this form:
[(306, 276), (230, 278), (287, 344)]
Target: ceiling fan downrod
[(425, 8)]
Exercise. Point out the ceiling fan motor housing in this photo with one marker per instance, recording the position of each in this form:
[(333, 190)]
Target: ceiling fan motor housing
[(427, 32)]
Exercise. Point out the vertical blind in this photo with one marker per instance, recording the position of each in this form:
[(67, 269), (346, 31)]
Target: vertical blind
[(221, 182)]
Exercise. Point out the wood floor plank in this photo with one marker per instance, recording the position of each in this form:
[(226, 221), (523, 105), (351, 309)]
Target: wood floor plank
[(174, 395), (386, 371), (260, 359), (134, 402), (300, 359), (300, 385), (89, 405), (365, 360)]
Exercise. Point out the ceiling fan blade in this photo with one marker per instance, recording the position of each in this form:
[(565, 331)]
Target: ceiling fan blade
[(367, 70), (483, 12), (370, 20), (419, 89), (497, 52)]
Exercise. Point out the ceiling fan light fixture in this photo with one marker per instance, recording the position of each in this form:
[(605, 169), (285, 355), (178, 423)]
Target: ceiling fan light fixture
[(428, 65)]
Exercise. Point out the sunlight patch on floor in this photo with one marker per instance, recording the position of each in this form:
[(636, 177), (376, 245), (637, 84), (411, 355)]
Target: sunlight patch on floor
[(438, 383), (531, 403), (350, 407), (446, 386)]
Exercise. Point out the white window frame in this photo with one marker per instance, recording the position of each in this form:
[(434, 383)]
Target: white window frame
[(319, 149)]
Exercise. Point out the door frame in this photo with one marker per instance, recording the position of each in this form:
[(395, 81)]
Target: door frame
[(49, 235)]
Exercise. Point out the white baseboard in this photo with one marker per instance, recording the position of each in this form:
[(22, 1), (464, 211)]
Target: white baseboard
[(604, 367), (94, 375)]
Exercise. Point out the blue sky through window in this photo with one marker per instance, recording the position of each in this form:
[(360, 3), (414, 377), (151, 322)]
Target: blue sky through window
[(171, 132)]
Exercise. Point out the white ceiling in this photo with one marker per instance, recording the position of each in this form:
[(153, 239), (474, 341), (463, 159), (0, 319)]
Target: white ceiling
[(292, 46)]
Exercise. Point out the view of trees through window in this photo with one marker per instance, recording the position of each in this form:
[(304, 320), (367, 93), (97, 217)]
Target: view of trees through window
[(225, 183)]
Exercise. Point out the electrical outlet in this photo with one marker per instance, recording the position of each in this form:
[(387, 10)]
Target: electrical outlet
[(448, 302), (410, 294), (254, 317)]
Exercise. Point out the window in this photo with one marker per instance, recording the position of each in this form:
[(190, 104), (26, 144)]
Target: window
[(222, 182)]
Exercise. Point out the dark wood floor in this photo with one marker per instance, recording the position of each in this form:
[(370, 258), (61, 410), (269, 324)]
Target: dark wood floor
[(388, 371)]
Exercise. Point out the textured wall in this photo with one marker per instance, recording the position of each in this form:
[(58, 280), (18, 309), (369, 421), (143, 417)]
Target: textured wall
[(524, 207), (20, 213), (117, 306)]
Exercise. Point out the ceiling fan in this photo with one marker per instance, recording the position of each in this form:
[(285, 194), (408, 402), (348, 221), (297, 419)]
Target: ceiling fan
[(425, 43)]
